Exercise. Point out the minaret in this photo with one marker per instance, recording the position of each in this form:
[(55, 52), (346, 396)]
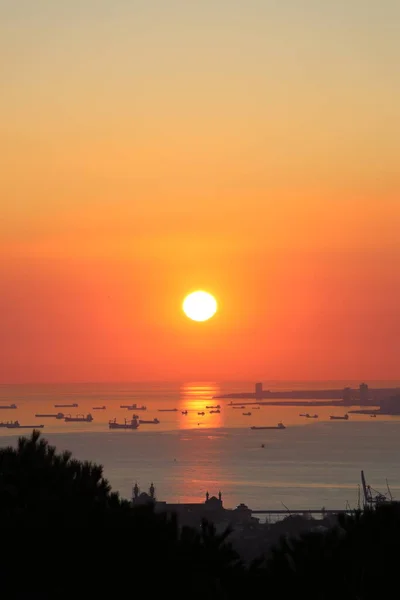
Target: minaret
[(135, 491), (220, 496), (152, 491), (207, 496)]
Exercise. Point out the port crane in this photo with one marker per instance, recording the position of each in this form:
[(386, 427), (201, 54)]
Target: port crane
[(373, 497)]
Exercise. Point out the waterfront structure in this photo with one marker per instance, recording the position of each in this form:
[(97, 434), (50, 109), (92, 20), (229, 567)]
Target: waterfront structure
[(192, 513), (259, 390), (347, 396), (323, 397), (364, 395), (390, 406)]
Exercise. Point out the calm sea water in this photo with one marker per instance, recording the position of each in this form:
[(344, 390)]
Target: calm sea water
[(310, 464)]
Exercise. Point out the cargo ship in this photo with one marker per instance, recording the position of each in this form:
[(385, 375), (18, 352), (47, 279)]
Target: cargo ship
[(16, 425), (79, 419), (132, 424), (344, 418), (279, 426), (59, 415), (152, 422)]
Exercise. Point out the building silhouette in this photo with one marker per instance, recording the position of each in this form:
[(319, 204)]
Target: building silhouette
[(347, 396), (143, 498), (364, 394), (192, 513), (390, 406)]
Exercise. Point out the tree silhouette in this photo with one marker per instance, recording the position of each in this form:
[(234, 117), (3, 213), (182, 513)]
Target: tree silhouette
[(82, 539), (65, 533), (36, 480), (357, 560)]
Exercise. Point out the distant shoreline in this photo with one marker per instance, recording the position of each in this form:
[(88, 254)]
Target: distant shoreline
[(323, 397)]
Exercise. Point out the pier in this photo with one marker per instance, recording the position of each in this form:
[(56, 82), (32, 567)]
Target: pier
[(307, 511)]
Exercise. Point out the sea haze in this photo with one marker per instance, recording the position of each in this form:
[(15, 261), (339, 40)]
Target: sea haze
[(310, 464)]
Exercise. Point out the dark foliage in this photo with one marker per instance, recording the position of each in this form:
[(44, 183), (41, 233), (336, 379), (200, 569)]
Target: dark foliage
[(357, 560), (65, 534)]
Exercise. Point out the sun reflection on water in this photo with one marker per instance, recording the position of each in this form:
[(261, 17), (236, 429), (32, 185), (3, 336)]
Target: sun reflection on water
[(198, 409)]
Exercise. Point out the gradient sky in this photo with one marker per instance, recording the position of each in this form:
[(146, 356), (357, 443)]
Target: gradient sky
[(152, 147)]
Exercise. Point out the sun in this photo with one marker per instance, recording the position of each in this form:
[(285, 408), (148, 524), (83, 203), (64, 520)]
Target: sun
[(200, 306)]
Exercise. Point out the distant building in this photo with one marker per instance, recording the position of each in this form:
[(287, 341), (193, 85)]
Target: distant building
[(259, 390), (364, 395), (390, 406), (348, 396), (141, 498), (192, 513)]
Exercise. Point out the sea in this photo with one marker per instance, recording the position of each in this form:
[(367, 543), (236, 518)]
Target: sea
[(312, 464)]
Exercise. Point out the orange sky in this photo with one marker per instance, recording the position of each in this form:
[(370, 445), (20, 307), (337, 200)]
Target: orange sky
[(251, 152)]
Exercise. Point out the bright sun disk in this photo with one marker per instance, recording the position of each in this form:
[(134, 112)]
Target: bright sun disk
[(199, 306)]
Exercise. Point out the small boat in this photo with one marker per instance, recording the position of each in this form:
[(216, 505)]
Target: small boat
[(248, 414), (213, 412), (311, 416), (99, 408), (153, 422), (66, 405), (50, 415), (79, 419), (201, 414), (132, 424), (8, 406), (217, 406), (344, 418), (16, 425), (279, 426), (184, 412), (239, 407), (167, 410), (373, 416), (133, 407)]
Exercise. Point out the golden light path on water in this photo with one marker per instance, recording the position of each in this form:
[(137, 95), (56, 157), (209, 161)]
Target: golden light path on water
[(313, 462)]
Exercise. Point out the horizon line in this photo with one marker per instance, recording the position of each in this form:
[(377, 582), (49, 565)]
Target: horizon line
[(197, 381)]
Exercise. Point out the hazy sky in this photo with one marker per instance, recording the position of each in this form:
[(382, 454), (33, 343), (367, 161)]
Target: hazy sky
[(149, 148)]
